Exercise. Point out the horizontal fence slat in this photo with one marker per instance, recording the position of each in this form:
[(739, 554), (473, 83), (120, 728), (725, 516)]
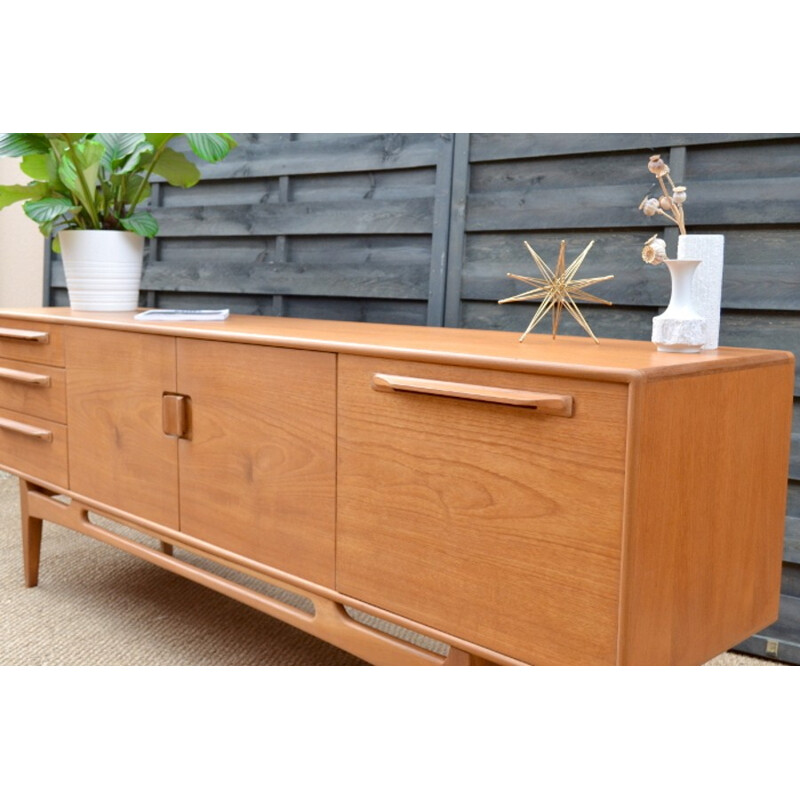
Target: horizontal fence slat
[(754, 201), (347, 217), (607, 322), (401, 312), (352, 153), (499, 146), (288, 278)]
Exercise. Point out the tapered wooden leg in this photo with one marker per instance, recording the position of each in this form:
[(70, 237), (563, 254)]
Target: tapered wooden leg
[(167, 549), (31, 537)]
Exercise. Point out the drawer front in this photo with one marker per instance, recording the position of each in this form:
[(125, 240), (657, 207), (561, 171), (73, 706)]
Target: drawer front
[(34, 389), (34, 447), (485, 519), (38, 343)]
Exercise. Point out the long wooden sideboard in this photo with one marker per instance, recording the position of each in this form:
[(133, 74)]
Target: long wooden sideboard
[(549, 502)]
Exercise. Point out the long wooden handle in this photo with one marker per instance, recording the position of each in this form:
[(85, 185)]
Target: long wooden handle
[(18, 376), (27, 336), (26, 430), (556, 404)]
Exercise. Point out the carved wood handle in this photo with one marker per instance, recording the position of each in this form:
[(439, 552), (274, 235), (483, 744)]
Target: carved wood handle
[(555, 404), (40, 337), (26, 430), (175, 415), (17, 376)]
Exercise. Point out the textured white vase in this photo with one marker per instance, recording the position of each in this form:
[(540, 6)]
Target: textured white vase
[(103, 269), (680, 329), (707, 287)]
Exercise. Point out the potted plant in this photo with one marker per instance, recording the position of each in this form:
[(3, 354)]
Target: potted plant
[(87, 192)]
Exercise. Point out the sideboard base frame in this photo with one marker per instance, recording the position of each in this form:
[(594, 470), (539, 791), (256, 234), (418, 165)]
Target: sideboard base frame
[(329, 621)]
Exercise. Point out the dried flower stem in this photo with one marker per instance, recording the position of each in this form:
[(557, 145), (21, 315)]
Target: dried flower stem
[(678, 218)]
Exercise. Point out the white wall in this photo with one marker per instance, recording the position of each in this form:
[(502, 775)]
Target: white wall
[(21, 249)]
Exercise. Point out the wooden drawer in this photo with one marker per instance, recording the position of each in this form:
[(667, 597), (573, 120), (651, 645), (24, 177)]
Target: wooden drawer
[(34, 389), (493, 522), (34, 447), (38, 343)]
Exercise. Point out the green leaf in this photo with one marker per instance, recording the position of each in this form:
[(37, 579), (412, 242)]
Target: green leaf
[(13, 194), (176, 168), (48, 209), (157, 139), (211, 147), (36, 166), (82, 159), (23, 144), (123, 151), (141, 222), (133, 187)]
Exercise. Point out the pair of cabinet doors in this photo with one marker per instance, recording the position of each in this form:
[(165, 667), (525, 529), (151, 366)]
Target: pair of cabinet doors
[(257, 457)]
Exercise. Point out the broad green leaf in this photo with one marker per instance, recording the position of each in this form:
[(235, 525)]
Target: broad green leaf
[(23, 144), (176, 168), (123, 151), (84, 156), (47, 209), (211, 147), (135, 185), (157, 139), (141, 222), (36, 167), (13, 194)]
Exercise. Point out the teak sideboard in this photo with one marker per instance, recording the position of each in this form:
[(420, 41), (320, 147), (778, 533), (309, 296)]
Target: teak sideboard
[(549, 502)]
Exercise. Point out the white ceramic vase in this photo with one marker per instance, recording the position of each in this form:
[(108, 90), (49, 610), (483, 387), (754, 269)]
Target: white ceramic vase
[(103, 269), (707, 285), (680, 329)]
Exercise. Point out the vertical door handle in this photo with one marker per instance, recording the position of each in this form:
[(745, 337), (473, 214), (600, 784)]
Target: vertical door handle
[(175, 415)]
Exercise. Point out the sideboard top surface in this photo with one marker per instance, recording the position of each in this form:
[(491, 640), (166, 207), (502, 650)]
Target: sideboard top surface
[(613, 360)]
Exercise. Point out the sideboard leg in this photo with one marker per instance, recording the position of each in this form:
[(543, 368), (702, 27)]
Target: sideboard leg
[(31, 537), (167, 548)]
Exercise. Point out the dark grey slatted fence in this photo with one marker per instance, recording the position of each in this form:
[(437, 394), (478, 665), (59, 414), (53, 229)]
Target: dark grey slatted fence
[(422, 229), (326, 225)]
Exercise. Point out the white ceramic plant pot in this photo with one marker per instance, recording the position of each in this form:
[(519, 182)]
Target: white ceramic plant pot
[(707, 286), (103, 269), (680, 329)]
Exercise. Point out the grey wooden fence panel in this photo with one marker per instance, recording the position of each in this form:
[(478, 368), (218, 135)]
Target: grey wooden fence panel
[(325, 225)]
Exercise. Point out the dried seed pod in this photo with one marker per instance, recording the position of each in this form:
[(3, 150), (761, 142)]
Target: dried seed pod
[(657, 166), (654, 251), (649, 206), (679, 195), (665, 202)]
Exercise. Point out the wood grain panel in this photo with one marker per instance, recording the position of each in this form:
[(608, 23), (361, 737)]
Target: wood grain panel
[(706, 513), (36, 389), (47, 350), (258, 468), (488, 522), (119, 454), (42, 456)]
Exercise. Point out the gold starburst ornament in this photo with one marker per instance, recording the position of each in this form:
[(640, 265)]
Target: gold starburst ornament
[(558, 290)]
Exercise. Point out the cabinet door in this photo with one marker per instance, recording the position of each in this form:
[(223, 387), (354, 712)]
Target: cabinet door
[(258, 468), (491, 522), (118, 452)]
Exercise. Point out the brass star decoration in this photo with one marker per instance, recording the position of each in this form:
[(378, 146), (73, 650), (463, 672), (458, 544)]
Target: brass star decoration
[(558, 290)]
